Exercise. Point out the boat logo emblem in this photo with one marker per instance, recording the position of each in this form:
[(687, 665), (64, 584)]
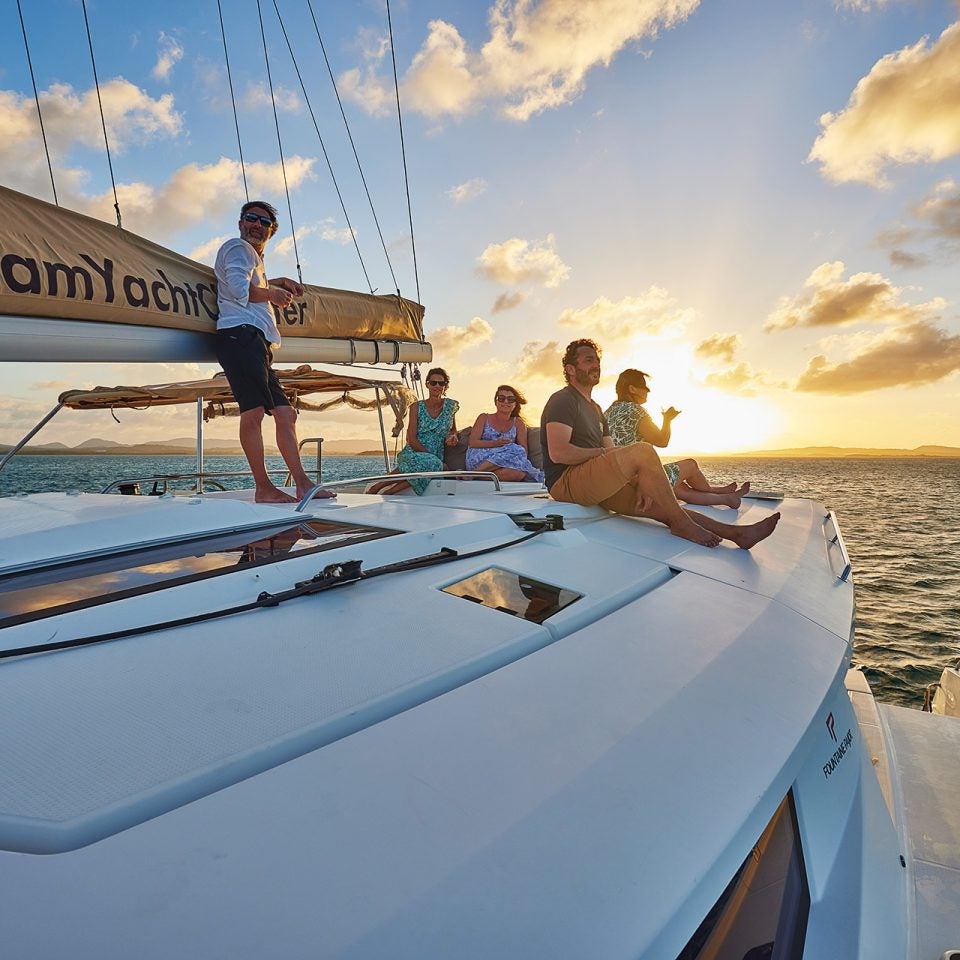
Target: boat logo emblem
[(831, 723)]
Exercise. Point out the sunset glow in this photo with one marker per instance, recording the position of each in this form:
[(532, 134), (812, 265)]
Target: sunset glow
[(757, 203)]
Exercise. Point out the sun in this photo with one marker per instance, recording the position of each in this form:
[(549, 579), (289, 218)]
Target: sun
[(711, 421)]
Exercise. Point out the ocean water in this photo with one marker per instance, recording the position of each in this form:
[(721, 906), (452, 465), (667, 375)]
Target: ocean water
[(899, 520)]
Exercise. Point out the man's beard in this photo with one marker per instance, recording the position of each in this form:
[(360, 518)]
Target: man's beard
[(585, 378)]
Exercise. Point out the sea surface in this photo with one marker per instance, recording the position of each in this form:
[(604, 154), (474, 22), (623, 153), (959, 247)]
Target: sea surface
[(899, 517)]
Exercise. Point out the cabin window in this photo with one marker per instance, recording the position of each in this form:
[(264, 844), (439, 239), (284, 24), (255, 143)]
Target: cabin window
[(762, 914), (61, 586), (513, 593)]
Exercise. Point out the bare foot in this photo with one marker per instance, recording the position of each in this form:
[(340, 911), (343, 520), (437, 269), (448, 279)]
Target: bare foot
[(272, 495), (749, 536), (727, 488), (744, 489), (321, 494), (731, 500), (689, 530)]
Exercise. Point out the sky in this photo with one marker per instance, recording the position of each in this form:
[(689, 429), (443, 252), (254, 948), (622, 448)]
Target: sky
[(757, 203)]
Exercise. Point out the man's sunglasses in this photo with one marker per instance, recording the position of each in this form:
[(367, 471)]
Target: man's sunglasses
[(436, 383), (501, 398), (254, 217)]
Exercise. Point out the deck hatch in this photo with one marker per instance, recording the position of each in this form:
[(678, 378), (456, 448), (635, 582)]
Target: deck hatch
[(59, 588), (513, 593)]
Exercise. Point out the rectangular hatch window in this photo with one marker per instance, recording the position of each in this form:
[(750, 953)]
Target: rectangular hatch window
[(513, 593), (60, 587)]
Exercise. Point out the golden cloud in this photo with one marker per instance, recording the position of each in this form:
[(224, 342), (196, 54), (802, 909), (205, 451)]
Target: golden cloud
[(653, 313), (831, 301), (911, 356), (906, 110), (741, 379), (539, 360), (536, 58), (454, 340), (720, 346), (507, 301), (515, 261)]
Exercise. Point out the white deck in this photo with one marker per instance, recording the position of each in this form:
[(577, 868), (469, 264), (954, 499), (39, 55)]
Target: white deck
[(389, 770)]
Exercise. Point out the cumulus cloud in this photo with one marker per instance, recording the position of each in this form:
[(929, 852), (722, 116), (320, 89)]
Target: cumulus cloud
[(454, 340), (206, 252), (537, 57), (193, 194), (720, 346), (653, 313), (516, 261), (915, 354), (257, 96), (326, 230), (72, 119), (906, 110), (935, 220), (741, 379), (939, 211), (830, 301), (539, 360), (507, 301), (470, 190), (169, 54)]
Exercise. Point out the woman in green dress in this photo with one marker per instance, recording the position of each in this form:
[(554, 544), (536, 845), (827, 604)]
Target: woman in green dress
[(629, 423), (432, 425)]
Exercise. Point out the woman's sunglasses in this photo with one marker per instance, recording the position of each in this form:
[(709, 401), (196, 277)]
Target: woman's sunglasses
[(502, 398), (436, 383)]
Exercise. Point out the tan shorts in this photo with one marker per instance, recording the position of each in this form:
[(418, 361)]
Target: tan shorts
[(601, 481)]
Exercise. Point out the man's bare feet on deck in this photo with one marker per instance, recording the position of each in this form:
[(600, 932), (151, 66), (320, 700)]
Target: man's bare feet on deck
[(744, 489), (689, 530), (750, 535), (272, 495), (321, 494)]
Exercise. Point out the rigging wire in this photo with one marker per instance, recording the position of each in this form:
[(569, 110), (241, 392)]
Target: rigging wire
[(316, 127), (403, 152), (276, 122), (353, 146), (233, 102), (36, 97), (103, 122)]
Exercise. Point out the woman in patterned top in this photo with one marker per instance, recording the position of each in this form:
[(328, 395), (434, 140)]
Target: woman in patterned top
[(629, 423)]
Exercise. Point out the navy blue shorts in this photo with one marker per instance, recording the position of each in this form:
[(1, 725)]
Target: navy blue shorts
[(247, 360)]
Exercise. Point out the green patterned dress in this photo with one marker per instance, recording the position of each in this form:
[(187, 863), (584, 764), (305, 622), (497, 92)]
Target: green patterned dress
[(432, 433)]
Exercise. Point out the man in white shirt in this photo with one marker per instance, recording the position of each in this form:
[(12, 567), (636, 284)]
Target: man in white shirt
[(247, 333)]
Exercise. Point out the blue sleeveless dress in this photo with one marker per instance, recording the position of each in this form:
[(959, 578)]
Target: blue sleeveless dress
[(512, 456)]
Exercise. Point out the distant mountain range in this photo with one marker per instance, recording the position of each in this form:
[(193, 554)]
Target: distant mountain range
[(186, 446)]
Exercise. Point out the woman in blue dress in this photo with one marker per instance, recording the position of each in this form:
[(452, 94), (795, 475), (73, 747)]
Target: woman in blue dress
[(498, 441), (432, 425)]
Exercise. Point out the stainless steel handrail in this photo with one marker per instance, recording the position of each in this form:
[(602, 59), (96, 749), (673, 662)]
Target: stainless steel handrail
[(838, 540), (430, 474), (206, 475)]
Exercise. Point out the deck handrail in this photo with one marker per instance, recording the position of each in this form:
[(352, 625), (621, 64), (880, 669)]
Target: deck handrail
[(837, 539), (427, 474)]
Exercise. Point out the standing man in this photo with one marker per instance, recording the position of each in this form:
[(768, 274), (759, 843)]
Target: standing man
[(583, 466), (247, 334)]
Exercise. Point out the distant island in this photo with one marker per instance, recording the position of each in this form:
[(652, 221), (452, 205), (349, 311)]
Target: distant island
[(186, 446)]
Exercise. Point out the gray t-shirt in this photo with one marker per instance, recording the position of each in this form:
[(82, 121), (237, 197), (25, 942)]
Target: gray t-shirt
[(585, 417)]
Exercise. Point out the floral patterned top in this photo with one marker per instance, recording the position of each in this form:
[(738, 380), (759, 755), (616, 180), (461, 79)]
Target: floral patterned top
[(624, 418)]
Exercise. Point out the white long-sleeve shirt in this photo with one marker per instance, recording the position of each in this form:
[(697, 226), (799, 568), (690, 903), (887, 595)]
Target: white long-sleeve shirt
[(237, 266)]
